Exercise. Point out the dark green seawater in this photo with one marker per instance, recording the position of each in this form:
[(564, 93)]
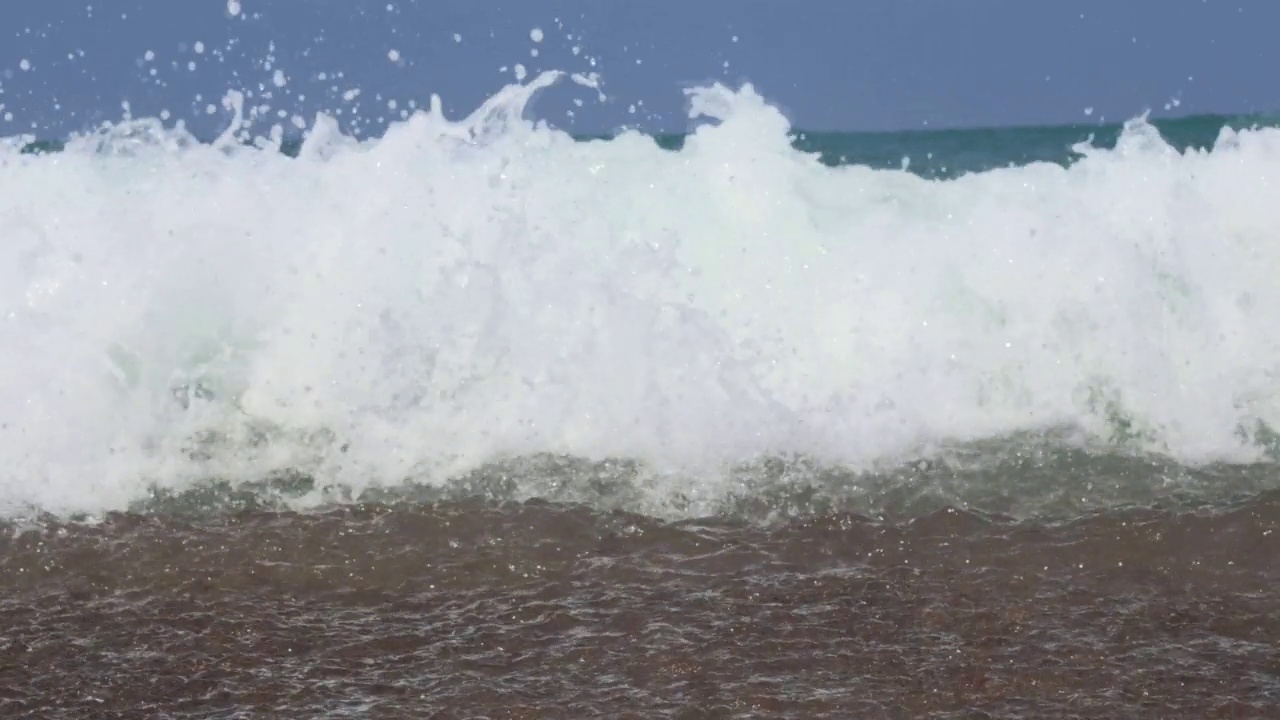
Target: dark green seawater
[(951, 153), (943, 154)]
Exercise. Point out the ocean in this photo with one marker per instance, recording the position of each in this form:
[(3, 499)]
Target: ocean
[(482, 419)]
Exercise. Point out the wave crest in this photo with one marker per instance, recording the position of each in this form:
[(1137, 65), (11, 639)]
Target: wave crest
[(458, 292)]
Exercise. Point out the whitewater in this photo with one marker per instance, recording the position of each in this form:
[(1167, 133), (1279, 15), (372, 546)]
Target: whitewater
[(460, 292)]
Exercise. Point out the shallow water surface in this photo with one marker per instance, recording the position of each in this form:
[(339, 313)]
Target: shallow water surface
[(533, 609)]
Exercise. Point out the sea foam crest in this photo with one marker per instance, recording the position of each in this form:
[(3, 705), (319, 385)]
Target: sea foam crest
[(461, 291)]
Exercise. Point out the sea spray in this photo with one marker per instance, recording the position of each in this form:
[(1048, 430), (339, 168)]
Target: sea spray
[(462, 292)]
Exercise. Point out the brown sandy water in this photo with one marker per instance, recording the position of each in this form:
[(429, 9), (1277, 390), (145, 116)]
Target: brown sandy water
[(543, 610)]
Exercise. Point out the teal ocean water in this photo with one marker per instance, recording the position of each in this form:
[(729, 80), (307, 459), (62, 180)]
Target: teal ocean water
[(748, 317), (950, 153), (942, 154)]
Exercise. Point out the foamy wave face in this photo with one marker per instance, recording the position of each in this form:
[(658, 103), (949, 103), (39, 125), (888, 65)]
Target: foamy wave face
[(457, 292)]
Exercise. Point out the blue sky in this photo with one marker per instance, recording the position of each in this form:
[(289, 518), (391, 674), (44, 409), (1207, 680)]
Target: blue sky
[(831, 64)]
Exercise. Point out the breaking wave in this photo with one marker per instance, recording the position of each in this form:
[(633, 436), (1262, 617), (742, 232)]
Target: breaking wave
[(460, 293)]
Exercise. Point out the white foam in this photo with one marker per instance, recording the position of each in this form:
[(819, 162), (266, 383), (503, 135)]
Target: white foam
[(460, 291)]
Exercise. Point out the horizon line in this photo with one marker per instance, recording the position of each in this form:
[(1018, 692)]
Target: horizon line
[(295, 136)]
